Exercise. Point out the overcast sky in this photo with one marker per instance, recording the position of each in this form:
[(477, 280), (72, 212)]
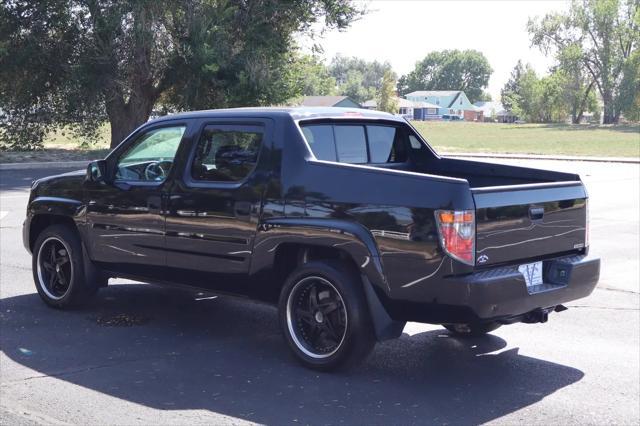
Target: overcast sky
[(403, 32)]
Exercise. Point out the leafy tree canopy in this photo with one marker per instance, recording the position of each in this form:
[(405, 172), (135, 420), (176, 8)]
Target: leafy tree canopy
[(80, 62), (466, 70), (357, 78), (312, 78), (547, 99), (386, 99), (604, 35)]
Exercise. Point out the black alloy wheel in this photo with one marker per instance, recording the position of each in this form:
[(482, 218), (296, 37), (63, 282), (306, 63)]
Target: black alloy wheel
[(55, 270), (316, 317), (324, 315), (60, 269)]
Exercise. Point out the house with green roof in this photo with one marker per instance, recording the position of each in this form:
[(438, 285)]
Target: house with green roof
[(451, 103)]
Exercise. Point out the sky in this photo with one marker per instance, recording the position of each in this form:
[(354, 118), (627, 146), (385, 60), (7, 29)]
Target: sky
[(404, 32)]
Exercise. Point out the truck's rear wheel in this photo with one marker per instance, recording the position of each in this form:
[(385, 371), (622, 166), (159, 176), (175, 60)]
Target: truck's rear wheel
[(324, 316), (474, 330), (58, 269)]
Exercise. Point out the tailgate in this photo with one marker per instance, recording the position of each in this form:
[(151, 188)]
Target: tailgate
[(528, 221)]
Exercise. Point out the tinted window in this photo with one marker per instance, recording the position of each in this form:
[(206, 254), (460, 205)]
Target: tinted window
[(347, 143), (320, 139), (351, 144), (150, 157), (226, 153), (381, 142)]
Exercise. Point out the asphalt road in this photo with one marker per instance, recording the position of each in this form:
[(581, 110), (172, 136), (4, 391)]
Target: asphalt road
[(142, 354)]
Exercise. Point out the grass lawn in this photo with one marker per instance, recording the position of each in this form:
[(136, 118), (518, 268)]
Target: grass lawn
[(62, 146), (549, 139)]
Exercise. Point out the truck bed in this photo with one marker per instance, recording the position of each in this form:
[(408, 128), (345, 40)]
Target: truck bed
[(481, 174), (521, 213)]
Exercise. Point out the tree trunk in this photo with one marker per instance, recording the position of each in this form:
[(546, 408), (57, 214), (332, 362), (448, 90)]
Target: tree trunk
[(578, 112), (124, 118), (609, 116)]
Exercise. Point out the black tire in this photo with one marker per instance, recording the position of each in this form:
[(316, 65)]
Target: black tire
[(336, 332), (472, 330), (59, 270)]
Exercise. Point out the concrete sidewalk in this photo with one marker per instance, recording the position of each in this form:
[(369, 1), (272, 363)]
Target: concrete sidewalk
[(629, 160)]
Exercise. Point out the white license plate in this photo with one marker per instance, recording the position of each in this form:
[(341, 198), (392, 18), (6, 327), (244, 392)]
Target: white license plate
[(532, 273)]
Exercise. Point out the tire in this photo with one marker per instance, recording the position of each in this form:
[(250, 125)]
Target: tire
[(324, 316), (58, 268), (472, 330)]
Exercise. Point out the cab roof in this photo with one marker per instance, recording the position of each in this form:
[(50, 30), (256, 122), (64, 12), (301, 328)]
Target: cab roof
[(297, 113)]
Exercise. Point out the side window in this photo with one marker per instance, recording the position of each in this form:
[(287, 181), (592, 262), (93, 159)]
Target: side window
[(356, 143), (320, 139), (150, 157), (382, 141), (226, 153), (351, 144)]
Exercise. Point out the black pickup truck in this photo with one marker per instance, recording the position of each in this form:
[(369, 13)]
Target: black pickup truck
[(346, 219)]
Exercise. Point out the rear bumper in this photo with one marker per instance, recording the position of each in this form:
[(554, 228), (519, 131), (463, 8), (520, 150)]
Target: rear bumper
[(501, 294)]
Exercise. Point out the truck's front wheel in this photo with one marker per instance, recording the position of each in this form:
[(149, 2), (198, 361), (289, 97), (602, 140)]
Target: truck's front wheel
[(324, 316), (58, 269)]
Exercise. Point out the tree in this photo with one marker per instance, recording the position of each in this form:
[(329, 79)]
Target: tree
[(578, 85), (485, 97), (81, 62), (387, 99), (513, 91), (629, 99), (540, 100), (607, 32), (357, 78), (311, 77), (466, 70)]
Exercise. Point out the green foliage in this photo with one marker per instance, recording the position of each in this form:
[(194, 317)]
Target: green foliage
[(358, 79), (311, 77), (534, 99), (629, 99), (466, 70), (603, 36), (485, 97), (78, 63), (386, 99)]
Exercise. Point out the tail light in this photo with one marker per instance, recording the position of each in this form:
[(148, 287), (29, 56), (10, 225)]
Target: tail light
[(457, 229)]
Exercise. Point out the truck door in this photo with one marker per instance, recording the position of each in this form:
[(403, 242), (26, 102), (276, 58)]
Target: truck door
[(125, 218), (213, 210)]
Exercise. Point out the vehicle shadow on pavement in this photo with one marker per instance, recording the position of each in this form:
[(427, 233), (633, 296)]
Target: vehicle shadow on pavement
[(162, 348)]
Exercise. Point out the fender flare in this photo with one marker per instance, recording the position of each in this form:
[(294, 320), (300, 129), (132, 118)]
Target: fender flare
[(51, 206), (348, 236)]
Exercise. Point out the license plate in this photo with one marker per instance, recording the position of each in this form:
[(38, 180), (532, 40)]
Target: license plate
[(532, 273)]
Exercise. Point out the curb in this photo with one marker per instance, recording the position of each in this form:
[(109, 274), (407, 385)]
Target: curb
[(44, 165), (627, 160)]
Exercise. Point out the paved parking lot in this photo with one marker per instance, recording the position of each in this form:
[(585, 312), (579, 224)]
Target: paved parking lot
[(142, 354)]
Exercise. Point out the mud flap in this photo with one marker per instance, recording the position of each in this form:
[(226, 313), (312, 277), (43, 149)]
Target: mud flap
[(92, 274), (385, 327)]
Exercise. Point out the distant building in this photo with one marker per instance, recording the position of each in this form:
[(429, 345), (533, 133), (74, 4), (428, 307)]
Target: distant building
[(329, 101), (451, 104), (495, 111), (409, 109)]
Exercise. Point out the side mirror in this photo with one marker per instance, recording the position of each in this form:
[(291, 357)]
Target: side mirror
[(97, 171)]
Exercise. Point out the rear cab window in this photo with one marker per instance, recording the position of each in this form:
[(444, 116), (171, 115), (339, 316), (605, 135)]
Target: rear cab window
[(360, 143)]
